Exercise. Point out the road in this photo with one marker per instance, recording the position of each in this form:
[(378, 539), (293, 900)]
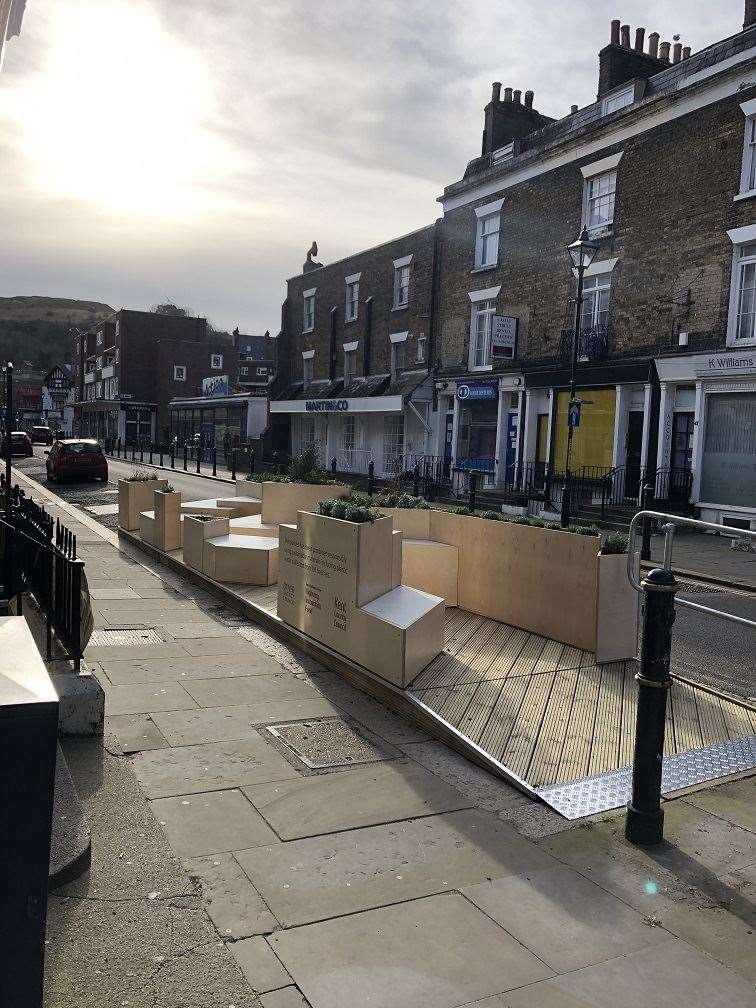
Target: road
[(706, 649)]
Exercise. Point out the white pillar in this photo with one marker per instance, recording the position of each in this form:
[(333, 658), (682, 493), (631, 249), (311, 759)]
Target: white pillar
[(455, 432), (620, 425), (697, 446), (502, 420), (664, 445), (332, 435), (646, 426)]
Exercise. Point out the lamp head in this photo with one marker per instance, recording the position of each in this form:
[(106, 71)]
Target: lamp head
[(583, 251)]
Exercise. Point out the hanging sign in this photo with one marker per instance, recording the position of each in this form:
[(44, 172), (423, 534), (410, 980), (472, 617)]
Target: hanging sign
[(504, 337)]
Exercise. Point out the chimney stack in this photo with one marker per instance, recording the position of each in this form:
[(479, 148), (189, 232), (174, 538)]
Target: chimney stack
[(507, 94), (573, 109), (496, 91), (640, 35), (517, 97), (653, 45), (750, 14), (621, 62), (664, 52), (529, 96), (625, 36), (686, 52), (614, 37), (677, 52)]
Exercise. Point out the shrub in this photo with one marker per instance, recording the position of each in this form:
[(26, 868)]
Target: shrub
[(168, 488), (268, 477), (615, 544), (346, 510), (359, 514), (521, 520), (393, 500), (141, 476), (461, 511), (493, 515)]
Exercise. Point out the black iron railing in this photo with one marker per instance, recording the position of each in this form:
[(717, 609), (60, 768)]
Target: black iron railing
[(593, 344)]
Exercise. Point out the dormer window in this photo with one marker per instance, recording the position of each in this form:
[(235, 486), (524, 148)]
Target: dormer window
[(487, 234), (618, 100)]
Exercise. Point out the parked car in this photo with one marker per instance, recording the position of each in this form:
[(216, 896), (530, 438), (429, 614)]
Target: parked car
[(20, 445), (41, 435), (76, 459)]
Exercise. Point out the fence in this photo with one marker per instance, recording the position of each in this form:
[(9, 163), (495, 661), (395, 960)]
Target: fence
[(39, 557)]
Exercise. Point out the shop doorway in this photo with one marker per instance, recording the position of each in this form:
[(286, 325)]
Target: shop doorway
[(448, 444), (633, 453), (542, 448), (681, 459)]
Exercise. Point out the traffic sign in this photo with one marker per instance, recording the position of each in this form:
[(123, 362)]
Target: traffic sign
[(573, 415)]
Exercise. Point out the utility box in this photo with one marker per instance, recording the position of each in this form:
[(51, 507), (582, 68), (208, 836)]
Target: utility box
[(28, 745)]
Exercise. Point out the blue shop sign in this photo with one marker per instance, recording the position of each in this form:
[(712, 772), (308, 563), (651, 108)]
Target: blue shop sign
[(477, 391)]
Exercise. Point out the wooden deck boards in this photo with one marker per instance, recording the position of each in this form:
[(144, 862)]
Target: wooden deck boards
[(548, 712)]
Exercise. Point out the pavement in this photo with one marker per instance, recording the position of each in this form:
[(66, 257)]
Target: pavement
[(228, 872)]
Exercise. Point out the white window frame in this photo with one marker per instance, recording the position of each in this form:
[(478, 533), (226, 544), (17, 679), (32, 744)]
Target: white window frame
[(593, 285), (422, 342), (741, 238), (401, 289), (592, 173), (352, 297), (487, 296), (243, 370), (308, 310), (618, 100), (748, 164), (398, 354), (216, 361), (179, 372), (487, 241), (350, 362), (308, 367)]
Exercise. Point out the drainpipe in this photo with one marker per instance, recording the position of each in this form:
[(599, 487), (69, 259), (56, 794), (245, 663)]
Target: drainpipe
[(435, 294), (368, 335), (332, 357)]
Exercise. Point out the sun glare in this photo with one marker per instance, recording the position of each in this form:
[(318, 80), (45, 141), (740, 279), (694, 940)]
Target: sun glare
[(116, 115)]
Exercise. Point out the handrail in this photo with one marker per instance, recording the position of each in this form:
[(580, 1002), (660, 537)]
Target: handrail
[(670, 524)]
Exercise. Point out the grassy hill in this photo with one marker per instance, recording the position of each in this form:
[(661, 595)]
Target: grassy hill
[(36, 329)]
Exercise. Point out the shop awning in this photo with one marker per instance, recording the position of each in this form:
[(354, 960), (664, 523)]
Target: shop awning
[(364, 395)]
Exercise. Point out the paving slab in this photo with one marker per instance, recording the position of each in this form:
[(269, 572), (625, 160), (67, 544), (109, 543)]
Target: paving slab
[(112, 593), (249, 690), (360, 796), (321, 877), (149, 591), (289, 997), (182, 770), (365, 709), (211, 823), (121, 617), (122, 672), (224, 645), (105, 653), (233, 904), (438, 952), (735, 802), (260, 965), (199, 629), (220, 724), (150, 606), (145, 698), (672, 975), (568, 921), (136, 732)]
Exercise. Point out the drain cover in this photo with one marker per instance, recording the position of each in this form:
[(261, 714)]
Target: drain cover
[(127, 638), (329, 743)]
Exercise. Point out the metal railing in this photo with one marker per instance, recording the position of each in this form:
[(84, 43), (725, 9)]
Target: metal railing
[(593, 344)]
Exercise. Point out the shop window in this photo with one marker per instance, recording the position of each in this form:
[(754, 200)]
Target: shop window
[(728, 473), (393, 443), (593, 440), (179, 372)]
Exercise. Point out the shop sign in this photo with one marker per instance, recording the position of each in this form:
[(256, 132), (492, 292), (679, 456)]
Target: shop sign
[(215, 387), (327, 405), (504, 337), (730, 362), (477, 391)]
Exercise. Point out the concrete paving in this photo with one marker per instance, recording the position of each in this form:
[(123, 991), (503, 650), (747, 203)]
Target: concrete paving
[(450, 905)]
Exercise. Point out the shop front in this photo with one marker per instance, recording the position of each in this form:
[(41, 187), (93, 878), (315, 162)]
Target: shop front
[(707, 433), (104, 419), (218, 421)]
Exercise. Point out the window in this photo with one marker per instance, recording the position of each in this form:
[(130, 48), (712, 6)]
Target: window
[(351, 308), (401, 281), (600, 192), (179, 372), (749, 156), (243, 370), (594, 312), (745, 294), (349, 441), (307, 367), (398, 354), (728, 475), (308, 310), (420, 358), (216, 361), (99, 339), (487, 234), (393, 443), (350, 363), (619, 100), (483, 313)]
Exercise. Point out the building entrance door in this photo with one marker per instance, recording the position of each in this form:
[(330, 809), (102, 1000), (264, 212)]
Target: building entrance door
[(448, 443), (633, 453), (681, 460), (542, 448)]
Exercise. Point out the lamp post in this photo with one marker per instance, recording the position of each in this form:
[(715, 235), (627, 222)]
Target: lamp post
[(8, 375), (582, 253)]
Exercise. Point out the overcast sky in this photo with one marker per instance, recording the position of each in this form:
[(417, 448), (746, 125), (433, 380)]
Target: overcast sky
[(193, 149)]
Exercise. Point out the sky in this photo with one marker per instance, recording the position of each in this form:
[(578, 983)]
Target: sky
[(191, 150)]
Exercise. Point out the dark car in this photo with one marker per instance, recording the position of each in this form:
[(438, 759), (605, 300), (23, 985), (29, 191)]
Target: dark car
[(20, 444), (41, 435), (76, 459)]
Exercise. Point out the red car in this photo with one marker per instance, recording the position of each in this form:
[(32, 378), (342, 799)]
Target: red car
[(76, 459)]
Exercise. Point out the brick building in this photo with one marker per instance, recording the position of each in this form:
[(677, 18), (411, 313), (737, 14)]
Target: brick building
[(661, 169), (131, 365)]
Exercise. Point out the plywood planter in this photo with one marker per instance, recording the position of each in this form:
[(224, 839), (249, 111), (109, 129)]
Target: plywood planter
[(616, 609), (282, 501), (197, 530), (248, 488), (167, 530), (135, 496), (413, 522), (338, 583)]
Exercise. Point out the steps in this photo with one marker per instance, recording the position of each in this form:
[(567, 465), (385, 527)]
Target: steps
[(240, 559), (253, 525)]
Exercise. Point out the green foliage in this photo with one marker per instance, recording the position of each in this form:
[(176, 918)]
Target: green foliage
[(461, 511), (347, 510), (397, 500), (269, 477), (141, 476), (169, 488), (614, 544), (521, 520), (492, 515)]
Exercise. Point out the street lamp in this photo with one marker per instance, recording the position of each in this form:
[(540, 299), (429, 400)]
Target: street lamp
[(582, 253)]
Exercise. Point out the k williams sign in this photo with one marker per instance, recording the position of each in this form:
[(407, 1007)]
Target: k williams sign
[(725, 363), (327, 405)]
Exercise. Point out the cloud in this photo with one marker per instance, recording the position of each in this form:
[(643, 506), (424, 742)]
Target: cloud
[(208, 144)]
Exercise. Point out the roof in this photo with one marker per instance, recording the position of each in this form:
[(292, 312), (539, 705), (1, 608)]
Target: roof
[(360, 388)]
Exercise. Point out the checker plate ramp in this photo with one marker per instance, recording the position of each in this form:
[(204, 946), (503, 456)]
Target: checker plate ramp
[(612, 790)]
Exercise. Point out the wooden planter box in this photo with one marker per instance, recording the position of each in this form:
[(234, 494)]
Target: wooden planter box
[(196, 531), (616, 609), (413, 522), (248, 488), (167, 531), (135, 496), (282, 501), (338, 583)]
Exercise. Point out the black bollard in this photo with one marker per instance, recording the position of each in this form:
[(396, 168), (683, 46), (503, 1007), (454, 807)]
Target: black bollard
[(371, 478), (644, 824)]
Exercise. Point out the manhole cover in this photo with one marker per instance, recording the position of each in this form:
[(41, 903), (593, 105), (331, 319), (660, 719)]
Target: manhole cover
[(127, 638), (329, 743)]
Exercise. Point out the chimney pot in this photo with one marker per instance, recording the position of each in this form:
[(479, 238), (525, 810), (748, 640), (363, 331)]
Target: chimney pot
[(529, 99), (496, 91), (686, 52), (640, 36), (664, 52), (507, 94), (677, 52), (625, 36), (750, 14), (517, 97), (614, 37), (653, 45), (573, 109)]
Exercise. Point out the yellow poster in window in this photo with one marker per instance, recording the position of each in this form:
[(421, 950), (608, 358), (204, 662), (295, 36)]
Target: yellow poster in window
[(593, 440)]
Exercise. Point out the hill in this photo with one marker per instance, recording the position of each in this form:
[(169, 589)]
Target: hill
[(36, 329)]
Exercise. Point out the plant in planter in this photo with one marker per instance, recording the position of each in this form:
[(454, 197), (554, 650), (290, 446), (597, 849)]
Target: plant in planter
[(140, 476), (166, 534), (302, 489), (615, 545), (135, 495), (346, 510)]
